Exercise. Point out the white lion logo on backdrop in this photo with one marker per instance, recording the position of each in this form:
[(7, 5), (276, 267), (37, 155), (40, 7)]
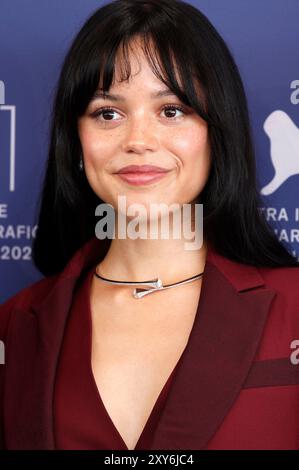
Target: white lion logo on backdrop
[(284, 149)]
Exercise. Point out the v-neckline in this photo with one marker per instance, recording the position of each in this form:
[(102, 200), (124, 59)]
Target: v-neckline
[(158, 406)]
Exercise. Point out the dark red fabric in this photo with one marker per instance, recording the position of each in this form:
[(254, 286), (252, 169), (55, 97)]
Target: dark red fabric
[(81, 419), (234, 387)]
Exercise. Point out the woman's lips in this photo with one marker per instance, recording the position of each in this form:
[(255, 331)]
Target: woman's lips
[(139, 179)]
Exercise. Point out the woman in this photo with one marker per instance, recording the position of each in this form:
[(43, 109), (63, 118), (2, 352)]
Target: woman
[(203, 364)]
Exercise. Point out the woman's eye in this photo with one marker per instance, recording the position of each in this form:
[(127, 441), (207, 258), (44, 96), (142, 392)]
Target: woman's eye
[(170, 111), (106, 114)]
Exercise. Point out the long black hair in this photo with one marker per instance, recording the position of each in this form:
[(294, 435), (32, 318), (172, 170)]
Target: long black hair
[(184, 40)]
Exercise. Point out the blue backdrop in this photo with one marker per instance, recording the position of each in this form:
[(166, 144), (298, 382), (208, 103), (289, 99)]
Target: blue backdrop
[(34, 36)]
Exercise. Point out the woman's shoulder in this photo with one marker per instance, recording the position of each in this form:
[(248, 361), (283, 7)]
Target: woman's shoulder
[(282, 281), (34, 293), (282, 278), (24, 299), (285, 282)]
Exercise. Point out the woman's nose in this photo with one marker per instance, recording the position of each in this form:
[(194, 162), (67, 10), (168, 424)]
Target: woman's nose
[(140, 137)]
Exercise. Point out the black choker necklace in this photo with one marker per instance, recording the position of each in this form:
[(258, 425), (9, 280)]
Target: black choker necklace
[(154, 284)]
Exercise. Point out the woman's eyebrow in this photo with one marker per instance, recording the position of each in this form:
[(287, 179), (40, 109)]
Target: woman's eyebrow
[(114, 97)]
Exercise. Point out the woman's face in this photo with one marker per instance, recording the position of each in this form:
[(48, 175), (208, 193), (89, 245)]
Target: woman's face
[(141, 128)]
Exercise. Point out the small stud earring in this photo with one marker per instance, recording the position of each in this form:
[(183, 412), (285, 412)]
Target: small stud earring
[(81, 166)]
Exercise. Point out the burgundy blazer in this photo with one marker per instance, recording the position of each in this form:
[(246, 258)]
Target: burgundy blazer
[(236, 386)]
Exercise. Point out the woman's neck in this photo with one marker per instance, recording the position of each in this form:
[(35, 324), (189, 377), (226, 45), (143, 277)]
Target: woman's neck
[(144, 259)]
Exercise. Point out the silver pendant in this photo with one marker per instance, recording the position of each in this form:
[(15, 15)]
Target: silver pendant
[(156, 285)]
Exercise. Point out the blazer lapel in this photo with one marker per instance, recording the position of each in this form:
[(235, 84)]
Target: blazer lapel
[(227, 329), (32, 352), (32, 355)]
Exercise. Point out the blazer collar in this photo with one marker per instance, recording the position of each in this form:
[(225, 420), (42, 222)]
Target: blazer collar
[(227, 329)]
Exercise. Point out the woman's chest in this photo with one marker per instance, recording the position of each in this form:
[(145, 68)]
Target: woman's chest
[(135, 348)]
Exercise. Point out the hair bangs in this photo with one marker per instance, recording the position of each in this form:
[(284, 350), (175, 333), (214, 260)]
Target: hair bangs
[(164, 56)]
